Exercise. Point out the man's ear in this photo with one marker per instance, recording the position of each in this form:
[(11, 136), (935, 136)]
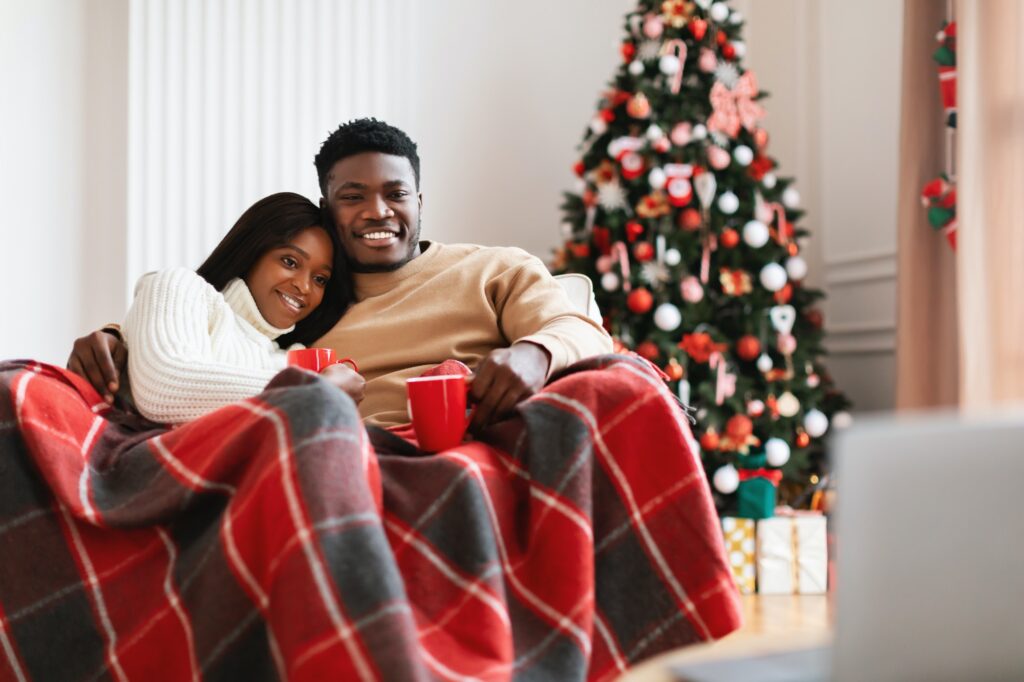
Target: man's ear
[(419, 197)]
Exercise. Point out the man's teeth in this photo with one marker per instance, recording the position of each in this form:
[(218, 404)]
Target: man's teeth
[(378, 235)]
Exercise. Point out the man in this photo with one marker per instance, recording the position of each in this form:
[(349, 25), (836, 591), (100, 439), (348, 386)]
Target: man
[(419, 303)]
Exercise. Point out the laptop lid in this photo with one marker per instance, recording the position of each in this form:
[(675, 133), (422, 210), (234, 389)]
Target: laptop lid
[(930, 523)]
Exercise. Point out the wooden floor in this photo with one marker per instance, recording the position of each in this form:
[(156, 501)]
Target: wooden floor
[(772, 623)]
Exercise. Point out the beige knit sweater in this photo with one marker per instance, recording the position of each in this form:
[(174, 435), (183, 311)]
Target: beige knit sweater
[(193, 349), (456, 301)]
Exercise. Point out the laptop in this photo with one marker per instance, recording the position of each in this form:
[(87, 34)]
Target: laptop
[(930, 537)]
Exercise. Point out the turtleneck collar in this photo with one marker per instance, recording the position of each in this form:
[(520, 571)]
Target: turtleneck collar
[(369, 284), (238, 296)]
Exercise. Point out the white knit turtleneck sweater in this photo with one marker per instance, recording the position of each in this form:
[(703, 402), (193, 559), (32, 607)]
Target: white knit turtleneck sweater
[(193, 349)]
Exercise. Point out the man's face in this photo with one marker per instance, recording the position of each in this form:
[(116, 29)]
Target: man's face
[(376, 208)]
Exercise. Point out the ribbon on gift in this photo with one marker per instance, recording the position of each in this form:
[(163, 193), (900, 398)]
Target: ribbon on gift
[(679, 48), (620, 252), (734, 108), (774, 476), (725, 383)]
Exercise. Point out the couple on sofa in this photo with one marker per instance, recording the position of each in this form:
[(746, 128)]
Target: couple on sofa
[(359, 281), (276, 532)]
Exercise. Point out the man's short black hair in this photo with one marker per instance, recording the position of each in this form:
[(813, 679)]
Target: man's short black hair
[(364, 135)]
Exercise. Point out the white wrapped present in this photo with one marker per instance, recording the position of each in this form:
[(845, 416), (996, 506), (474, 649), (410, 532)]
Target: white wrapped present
[(792, 554)]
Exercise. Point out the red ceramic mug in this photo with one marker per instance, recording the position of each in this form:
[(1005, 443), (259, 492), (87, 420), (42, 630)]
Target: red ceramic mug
[(316, 359), (437, 406)]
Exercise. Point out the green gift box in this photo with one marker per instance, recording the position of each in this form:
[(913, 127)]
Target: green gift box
[(758, 488)]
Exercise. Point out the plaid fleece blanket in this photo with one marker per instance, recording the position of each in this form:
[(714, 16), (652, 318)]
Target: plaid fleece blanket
[(279, 538)]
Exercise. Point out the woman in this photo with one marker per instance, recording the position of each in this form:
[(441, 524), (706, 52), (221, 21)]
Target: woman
[(200, 340)]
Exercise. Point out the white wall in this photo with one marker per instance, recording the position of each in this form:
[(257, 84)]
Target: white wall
[(41, 158), (505, 91)]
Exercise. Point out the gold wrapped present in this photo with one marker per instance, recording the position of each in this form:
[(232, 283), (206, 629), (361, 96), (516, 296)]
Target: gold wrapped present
[(740, 547)]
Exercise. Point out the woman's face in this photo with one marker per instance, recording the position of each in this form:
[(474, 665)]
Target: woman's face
[(288, 281)]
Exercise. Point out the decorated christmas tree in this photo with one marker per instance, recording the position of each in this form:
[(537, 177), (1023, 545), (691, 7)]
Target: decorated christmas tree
[(691, 239)]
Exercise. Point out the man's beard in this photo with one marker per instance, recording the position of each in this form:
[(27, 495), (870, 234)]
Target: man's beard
[(387, 267)]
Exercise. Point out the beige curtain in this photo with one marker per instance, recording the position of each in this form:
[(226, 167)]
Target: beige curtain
[(990, 259), (926, 341), (960, 327)]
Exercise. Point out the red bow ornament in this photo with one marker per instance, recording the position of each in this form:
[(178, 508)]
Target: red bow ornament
[(734, 108)]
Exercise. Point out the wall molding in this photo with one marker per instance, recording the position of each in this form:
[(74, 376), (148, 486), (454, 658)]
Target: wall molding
[(860, 268)]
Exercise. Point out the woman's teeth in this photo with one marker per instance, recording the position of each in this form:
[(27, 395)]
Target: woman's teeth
[(378, 235), (293, 302)]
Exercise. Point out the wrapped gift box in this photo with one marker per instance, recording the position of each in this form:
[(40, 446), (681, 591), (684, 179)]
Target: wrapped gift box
[(739, 547), (792, 554)]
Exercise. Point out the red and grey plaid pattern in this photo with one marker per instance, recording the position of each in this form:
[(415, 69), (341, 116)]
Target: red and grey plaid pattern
[(279, 538)]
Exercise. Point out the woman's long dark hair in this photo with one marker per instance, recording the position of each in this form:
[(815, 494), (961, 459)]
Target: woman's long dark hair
[(269, 223)]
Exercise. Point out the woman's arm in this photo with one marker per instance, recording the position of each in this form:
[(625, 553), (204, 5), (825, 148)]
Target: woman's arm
[(171, 368)]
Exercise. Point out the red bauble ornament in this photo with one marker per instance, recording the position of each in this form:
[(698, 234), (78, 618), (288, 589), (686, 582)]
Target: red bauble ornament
[(748, 347), (608, 115), (580, 250), (709, 441), (802, 439), (815, 318), (792, 249), (578, 168), (783, 295), (628, 51), (720, 38), (728, 51), (739, 427), (698, 27), (602, 238), (690, 219), (648, 350), (639, 301), (633, 230), (730, 238), (674, 370), (643, 251)]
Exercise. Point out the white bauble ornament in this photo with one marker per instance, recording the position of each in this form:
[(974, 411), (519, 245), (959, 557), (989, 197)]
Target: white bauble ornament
[(609, 281), (598, 126), (654, 132), (787, 404), (815, 423), (673, 257), (667, 317), (740, 48), (580, 185), (719, 12), (657, 178), (769, 180), (728, 203), (755, 234), (743, 155), (703, 4), (726, 479), (813, 381), (705, 185), (776, 452), (773, 277), (699, 132), (764, 363), (755, 408), (790, 197), (796, 267), (668, 64), (736, 18), (567, 229), (636, 68), (842, 420)]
